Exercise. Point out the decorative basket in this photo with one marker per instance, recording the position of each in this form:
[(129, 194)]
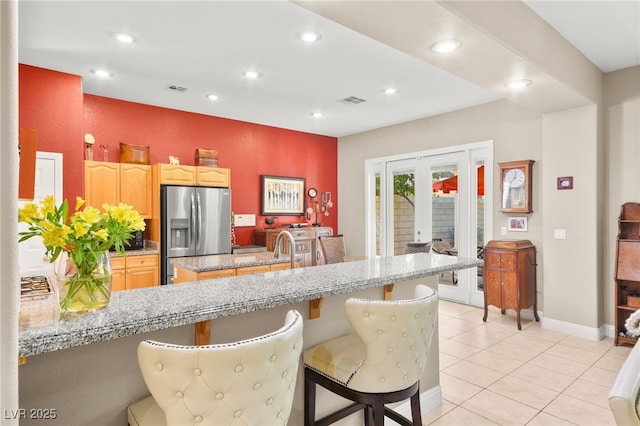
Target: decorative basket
[(134, 154), (206, 157)]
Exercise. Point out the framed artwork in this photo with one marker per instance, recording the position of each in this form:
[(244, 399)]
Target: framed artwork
[(283, 196), (517, 224), (565, 182)]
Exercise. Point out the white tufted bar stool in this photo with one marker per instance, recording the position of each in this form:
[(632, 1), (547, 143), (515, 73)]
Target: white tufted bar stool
[(250, 382), (380, 363)]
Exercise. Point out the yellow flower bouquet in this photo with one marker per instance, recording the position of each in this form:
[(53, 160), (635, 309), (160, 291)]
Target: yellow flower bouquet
[(79, 246)]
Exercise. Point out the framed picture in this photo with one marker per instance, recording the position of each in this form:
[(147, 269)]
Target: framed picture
[(517, 223), (565, 182), (283, 196)]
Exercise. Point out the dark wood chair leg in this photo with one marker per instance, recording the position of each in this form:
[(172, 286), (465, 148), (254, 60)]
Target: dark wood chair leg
[(309, 400), (416, 412), (378, 412)]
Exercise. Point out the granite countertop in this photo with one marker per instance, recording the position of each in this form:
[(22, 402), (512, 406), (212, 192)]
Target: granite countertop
[(228, 261), (156, 308), (150, 247)]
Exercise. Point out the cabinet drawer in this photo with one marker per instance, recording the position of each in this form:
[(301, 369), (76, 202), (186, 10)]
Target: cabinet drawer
[(140, 261), (117, 262), (252, 270)]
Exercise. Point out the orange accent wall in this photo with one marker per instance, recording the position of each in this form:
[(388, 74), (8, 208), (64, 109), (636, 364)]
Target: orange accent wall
[(249, 150), (50, 103)]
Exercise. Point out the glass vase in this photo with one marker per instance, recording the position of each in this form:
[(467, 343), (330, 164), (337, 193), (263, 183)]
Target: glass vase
[(86, 287)]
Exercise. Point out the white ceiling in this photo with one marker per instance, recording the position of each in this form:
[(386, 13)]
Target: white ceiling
[(205, 46)]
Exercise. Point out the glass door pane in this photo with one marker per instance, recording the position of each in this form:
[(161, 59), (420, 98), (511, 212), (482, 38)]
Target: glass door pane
[(444, 213)]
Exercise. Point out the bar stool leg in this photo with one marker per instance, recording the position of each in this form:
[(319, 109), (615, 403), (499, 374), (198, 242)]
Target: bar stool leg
[(309, 400), (416, 413)]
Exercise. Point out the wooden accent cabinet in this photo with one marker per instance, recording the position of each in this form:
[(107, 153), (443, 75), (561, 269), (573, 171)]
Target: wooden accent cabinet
[(627, 269), (118, 182), (308, 248), (509, 274), (135, 272)]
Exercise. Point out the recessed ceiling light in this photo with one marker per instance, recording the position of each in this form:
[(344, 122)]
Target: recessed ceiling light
[(124, 38), (446, 46), (517, 84), (310, 36), (316, 114), (102, 73), (252, 74), (212, 97), (390, 90)]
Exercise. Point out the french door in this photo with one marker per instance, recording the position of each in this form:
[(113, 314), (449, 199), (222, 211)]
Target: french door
[(439, 199)]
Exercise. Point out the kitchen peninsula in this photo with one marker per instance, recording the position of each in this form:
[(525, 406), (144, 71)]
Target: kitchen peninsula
[(100, 347)]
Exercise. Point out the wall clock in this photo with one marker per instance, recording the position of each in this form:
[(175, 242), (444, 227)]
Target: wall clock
[(516, 186), (312, 192)]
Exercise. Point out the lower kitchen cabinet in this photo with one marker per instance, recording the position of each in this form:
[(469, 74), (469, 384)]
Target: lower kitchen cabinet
[(135, 272), (181, 275)]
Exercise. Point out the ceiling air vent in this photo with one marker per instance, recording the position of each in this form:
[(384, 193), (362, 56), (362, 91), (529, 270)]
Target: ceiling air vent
[(177, 88), (352, 100)]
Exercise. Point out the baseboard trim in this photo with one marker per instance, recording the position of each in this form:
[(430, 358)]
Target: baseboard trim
[(591, 333)]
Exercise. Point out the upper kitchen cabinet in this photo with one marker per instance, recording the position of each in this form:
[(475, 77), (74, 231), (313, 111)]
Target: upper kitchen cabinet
[(178, 174), (135, 187), (118, 183), (101, 183), (212, 176)]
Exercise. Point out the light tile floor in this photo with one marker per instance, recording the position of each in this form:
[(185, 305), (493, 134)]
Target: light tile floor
[(494, 374)]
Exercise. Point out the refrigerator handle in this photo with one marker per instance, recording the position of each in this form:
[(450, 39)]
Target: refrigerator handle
[(199, 214), (194, 233)]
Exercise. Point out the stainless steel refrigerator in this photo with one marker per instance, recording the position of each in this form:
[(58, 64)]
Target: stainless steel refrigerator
[(196, 221)]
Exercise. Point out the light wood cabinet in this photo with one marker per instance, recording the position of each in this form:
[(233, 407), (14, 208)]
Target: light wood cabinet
[(627, 270), (212, 176), (101, 183), (509, 274), (135, 187), (181, 275), (118, 182), (177, 174), (307, 241), (131, 272)]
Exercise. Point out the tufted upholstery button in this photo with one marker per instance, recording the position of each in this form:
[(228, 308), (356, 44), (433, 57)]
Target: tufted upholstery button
[(382, 379), (219, 395), (379, 332), (239, 368), (197, 372), (405, 377), (237, 413), (257, 386), (198, 419), (159, 366), (366, 314), (404, 334), (284, 374), (398, 364), (179, 395), (273, 358), (390, 349), (416, 316), (412, 347), (270, 401)]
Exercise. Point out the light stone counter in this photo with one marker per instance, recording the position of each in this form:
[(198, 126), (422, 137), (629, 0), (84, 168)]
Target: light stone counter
[(228, 261), (157, 308)]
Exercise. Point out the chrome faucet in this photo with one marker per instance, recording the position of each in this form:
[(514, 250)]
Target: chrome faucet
[(292, 247)]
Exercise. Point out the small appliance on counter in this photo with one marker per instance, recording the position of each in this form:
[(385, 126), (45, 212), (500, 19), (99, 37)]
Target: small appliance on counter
[(136, 242)]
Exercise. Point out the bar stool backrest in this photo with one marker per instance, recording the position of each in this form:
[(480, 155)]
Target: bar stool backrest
[(333, 248), (246, 382), (397, 337)]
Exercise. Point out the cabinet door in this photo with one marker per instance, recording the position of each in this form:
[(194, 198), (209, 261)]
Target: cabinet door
[(101, 183), (212, 176), (509, 290), (118, 275), (493, 287), (135, 187), (305, 251), (177, 174), (282, 266), (146, 276)]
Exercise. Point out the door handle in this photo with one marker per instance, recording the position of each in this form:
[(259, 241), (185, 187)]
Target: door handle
[(193, 220), (199, 214)]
